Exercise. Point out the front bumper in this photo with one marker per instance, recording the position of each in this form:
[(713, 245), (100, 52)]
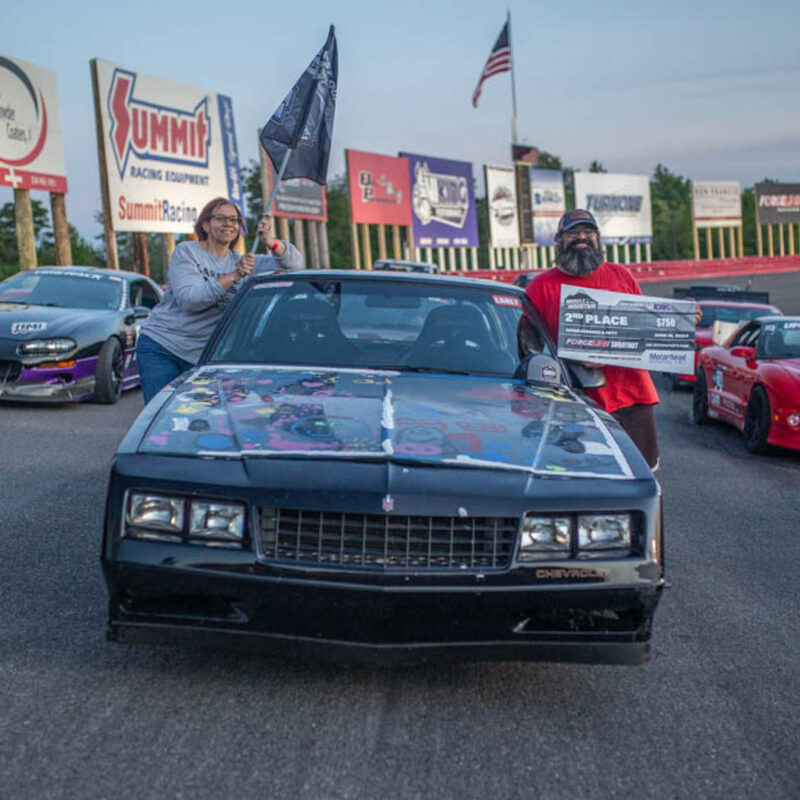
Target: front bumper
[(51, 384), (383, 624)]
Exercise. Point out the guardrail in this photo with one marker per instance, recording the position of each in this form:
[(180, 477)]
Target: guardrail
[(649, 272)]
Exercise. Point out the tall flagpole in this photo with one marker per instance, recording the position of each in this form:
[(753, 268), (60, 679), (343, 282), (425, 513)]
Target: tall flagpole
[(513, 86)]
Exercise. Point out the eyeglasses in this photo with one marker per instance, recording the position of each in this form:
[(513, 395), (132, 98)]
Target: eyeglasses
[(581, 230), (223, 218)]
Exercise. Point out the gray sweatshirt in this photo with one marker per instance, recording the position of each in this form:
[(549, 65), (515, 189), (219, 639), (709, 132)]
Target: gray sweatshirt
[(193, 303)]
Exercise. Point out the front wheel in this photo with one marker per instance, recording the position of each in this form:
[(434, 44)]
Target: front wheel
[(109, 372), (757, 421), (700, 399)]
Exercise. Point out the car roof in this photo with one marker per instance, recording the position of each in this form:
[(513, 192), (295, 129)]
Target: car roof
[(380, 275), (126, 275), (734, 304)]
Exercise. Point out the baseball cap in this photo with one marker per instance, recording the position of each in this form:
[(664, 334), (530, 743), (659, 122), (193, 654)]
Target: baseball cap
[(577, 216)]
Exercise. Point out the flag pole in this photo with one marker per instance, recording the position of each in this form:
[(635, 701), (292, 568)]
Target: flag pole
[(513, 85), (272, 194)]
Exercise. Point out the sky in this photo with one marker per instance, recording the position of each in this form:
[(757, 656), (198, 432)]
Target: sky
[(708, 88)]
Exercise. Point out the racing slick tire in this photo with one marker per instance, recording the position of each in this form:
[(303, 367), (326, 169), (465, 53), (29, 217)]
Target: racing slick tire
[(757, 421), (109, 372), (700, 399)]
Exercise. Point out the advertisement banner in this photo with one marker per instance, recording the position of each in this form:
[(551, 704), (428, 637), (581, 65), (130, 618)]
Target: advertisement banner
[(501, 197), (299, 198), (716, 204), (548, 204), (777, 203), (524, 202), (625, 330), (380, 189), (31, 152), (169, 149), (442, 202), (620, 204)]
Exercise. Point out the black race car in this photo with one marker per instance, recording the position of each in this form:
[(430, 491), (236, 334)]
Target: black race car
[(385, 466), (69, 333)]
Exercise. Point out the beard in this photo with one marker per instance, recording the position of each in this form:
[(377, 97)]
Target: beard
[(578, 262)]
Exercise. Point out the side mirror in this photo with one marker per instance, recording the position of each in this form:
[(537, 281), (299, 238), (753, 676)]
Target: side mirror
[(540, 368), (587, 377), (137, 312), (747, 353)]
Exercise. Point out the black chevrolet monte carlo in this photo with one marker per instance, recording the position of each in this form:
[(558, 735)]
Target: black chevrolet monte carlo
[(69, 333), (384, 467)]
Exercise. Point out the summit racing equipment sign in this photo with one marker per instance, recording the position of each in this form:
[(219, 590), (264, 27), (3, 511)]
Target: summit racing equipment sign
[(442, 202), (620, 204), (31, 153), (626, 330), (168, 149)]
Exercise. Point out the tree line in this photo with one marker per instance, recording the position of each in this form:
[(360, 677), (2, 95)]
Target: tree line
[(670, 196)]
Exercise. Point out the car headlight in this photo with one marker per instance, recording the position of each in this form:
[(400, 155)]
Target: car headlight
[(600, 535), (213, 523), (155, 516), (164, 518), (46, 347), (544, 537)]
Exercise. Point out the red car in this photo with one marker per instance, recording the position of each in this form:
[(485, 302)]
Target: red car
[(753, 382), (727, 304)]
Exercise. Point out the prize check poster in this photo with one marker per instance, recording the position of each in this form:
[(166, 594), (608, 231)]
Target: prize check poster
[(626, 330)]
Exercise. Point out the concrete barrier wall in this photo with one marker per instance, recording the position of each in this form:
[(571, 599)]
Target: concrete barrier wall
[(680, 270)]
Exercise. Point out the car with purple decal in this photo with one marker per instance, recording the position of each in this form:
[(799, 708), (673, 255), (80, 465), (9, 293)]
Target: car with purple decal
[(386, 467), (69, 333)]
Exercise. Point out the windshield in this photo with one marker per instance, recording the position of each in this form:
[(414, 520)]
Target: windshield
[(65, 290), (728, 314), (780, 340), (379, 325)]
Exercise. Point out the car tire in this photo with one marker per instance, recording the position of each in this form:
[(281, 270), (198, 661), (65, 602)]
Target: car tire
[(757, 421), (109, 372), (700, 399)]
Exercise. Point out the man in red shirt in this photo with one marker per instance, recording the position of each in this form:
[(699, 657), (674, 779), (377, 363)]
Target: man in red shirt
[(629, 394)]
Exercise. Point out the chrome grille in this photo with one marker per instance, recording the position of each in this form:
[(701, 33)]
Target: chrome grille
[(386, 542)]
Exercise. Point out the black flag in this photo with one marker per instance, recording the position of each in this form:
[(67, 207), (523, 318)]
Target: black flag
[(303, 122)]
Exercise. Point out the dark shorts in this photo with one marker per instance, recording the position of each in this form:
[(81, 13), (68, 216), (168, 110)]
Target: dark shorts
[(639, 422)]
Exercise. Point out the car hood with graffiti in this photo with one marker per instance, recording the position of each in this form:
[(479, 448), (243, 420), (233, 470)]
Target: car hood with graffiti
[(257, 411)]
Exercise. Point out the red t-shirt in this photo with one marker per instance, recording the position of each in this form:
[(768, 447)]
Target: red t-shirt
[(624, 386)]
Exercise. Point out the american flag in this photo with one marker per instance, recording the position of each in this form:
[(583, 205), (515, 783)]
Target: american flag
[(499, 61)]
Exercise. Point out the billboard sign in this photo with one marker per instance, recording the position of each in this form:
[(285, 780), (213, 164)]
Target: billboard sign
[(380, 189), (31, 152), (299, 198), (548, 203), (169, 149), (442, 202), (716, 204), (501, 197), (620, 204), (524, 202), (777, 203)]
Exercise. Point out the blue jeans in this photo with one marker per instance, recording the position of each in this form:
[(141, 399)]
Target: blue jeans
[(157, 366)]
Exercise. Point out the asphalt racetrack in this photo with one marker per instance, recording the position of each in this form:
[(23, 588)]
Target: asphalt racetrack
[(713, 715)]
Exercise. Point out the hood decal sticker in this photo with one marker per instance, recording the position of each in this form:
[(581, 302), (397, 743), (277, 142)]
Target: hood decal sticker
[(266, 411)]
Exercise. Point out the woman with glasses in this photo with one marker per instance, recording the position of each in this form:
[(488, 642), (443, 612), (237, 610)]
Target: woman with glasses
[(203, 278)]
